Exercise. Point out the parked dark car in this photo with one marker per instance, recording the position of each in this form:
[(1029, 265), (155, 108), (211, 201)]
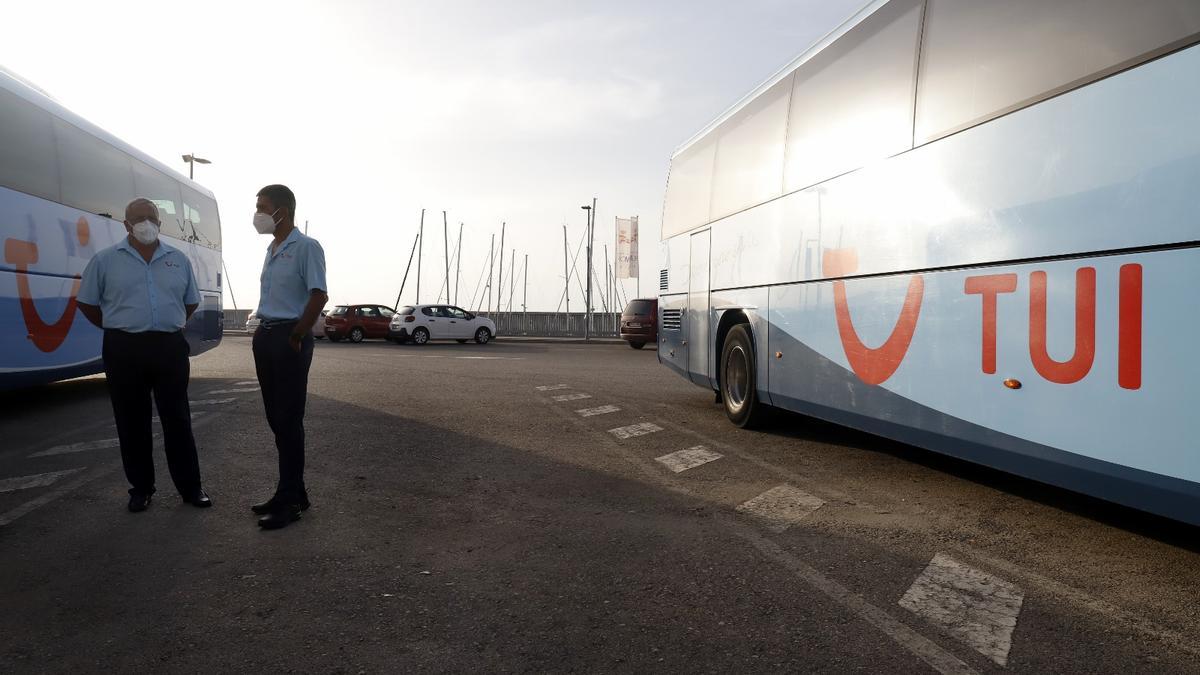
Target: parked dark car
[(639, 322), (357, 322)]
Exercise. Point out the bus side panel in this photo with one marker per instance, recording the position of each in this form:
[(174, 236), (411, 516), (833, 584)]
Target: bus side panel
[(672, 334), (1108, 412), (203, 331)]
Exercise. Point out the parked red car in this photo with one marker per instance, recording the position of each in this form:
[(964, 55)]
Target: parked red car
[(639, 322), (357, 322)]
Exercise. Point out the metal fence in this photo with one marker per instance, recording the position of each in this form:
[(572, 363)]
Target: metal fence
[(234, 319), (531, 324), (553, 324)]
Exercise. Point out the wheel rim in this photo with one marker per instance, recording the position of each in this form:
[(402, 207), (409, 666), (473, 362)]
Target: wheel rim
[(482, 335), (420, 337), (356, 335), (736, 378)]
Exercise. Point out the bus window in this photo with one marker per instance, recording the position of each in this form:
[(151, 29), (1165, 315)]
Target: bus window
[(164, 192), (980, 59), (200, 218), (689, 188), (27, 160), (852, 102), (96, 177), (749, 161)]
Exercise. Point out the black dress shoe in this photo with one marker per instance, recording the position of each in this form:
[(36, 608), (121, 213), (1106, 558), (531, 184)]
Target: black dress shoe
[(138, 502), (280, 516), (198, 499), (267, 506)]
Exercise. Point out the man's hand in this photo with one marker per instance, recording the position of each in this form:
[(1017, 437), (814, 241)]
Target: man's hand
[(296, 341)]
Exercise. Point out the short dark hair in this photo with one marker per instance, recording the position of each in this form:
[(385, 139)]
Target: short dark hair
[(280, 196)]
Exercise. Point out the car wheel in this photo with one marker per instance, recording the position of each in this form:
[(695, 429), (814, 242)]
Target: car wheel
[(637, 345), (461, 342), (482, 336), (420, 336), (357, 334), (739, 387)]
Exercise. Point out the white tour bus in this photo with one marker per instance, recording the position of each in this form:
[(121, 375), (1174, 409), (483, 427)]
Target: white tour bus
[(967, 225)]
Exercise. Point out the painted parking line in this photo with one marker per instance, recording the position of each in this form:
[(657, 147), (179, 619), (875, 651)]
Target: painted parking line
[(212, 401), (241, 390), (688, 459), (571, 397), (244, 383), (552, 387), (976, 607), (34, 481), (635, 430), (781, 507), (602, 410), (483, 358), (83, 446)]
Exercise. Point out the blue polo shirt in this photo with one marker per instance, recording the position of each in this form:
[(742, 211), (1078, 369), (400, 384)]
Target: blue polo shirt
[(289, 276), (136, 296)]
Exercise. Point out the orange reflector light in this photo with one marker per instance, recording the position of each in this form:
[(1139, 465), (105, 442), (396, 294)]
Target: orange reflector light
[(1012, 384)]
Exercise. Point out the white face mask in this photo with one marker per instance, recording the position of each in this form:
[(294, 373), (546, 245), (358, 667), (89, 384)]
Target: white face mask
[(265, 224), (145, 232)]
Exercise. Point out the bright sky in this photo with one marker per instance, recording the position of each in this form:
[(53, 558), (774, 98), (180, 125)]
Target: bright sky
[(371, 110)]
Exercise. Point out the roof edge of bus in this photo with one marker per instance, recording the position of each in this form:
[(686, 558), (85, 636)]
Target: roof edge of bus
[(817, 47), (40, 97)]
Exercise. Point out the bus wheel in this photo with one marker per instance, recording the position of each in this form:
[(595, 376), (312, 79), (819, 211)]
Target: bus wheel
[(739, 388)]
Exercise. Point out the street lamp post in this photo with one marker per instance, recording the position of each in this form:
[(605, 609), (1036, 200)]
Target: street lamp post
[(587, 324), (192, 161)]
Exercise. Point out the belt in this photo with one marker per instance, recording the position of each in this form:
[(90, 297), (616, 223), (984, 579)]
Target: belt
[(278, 323)]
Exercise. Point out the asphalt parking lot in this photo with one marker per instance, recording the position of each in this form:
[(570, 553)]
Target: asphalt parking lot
[(559, 507)]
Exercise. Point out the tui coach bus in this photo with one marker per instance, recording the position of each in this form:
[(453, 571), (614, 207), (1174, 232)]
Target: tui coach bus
[(967, 225)]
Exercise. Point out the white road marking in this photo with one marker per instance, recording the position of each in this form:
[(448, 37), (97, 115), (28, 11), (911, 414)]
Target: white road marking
[(781, 507), (212, 401), (688, 459), (8, 517), (244, 383), (635, 430), (571, 397), (976, 607), (232, 391), (602, 410), (34, 481), (483, 358), (552, 387), (79, 447), (920, 646)]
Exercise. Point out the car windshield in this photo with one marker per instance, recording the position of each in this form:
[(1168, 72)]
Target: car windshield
[(385, 311), (405, 311), (640, 307), (340, 310)]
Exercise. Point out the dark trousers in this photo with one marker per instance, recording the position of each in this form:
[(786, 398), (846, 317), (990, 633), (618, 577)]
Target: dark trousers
[(138, 365), (283, 377)]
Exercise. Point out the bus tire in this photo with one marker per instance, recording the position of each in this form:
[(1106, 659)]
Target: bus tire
[(739, 385)]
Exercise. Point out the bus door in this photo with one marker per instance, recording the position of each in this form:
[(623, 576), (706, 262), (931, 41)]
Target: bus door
[(698, 342)]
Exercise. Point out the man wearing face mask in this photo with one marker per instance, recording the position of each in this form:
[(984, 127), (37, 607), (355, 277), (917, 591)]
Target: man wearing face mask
[(141, 292), (291, 296)]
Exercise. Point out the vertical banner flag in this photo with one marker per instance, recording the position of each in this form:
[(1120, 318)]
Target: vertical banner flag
[(627, 248)]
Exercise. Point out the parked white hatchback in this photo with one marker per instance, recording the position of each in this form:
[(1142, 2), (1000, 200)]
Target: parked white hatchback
[(421, 323)]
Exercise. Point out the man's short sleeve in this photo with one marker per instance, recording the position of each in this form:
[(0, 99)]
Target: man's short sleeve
[(91, 286), (191, 295), (313, 269)]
